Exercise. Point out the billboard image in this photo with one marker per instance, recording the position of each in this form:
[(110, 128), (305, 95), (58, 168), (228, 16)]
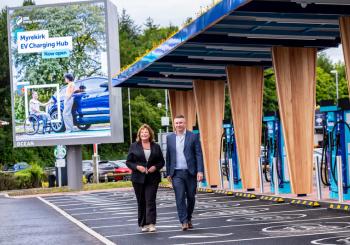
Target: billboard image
[(61, 74)]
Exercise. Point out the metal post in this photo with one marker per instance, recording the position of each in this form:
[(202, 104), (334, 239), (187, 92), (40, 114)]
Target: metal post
[(340, 179), (59, 177), (318, 179), (74, 167), (130, 129), (261, 176), (221, 177), (232, 185), (95, 162), (166, 107), (275, 176)]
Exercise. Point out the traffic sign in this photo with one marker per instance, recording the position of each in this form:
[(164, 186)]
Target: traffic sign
[(60, 163), (60, 152)]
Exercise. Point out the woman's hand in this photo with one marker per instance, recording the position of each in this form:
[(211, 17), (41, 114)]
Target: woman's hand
[(152, 169), (142, 169)]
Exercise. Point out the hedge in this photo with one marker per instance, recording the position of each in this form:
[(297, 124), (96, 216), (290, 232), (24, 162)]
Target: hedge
[(27, 178)]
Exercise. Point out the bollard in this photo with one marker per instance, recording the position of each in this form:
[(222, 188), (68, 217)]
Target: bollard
[(232, 186), (340, 179), (261, 176), (275, 176), (318, 178), (106, 178)]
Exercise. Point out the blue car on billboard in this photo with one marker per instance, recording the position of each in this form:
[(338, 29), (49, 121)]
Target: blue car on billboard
[(91, 104)]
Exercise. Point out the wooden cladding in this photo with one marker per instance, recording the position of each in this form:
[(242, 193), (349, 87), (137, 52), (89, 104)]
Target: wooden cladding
[(246, 95), (182, 103), (345, 39), (295, 70), (210, 102)]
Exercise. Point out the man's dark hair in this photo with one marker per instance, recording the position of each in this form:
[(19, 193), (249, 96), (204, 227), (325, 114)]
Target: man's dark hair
[(179, 116), (69, 76)]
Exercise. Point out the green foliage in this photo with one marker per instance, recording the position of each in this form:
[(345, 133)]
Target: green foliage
[(270, 102), (30, 177), (19, 108), (87, 31), (7, 181), (24, 179), (325, 86)]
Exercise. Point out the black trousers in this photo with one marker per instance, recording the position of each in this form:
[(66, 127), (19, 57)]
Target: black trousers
[(146, 202)]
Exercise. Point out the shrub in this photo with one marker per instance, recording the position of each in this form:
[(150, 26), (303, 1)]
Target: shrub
[(23, 179), (30, 177), (7, 181)]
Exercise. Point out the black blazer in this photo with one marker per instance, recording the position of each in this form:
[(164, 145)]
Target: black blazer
[(136, 156)]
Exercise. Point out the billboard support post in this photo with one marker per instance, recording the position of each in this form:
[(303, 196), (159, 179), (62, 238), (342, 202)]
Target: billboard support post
[(74, 165)]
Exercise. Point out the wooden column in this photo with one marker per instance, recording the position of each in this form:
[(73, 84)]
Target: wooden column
[(345, 39), (295, 70), (210, 102), (246, 94), (182, 102)]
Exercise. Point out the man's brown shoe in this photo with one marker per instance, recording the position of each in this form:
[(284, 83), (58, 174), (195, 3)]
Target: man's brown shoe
[(190, 226), (184, 226)]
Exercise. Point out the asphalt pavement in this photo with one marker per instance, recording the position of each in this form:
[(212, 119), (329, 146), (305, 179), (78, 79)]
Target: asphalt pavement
[(218, 219), (30, 221)]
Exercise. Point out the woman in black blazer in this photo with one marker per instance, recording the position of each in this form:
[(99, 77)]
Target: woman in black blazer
[(145, 159)]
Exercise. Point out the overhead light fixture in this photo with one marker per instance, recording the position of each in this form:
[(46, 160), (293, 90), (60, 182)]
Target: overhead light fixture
[(165, 85), (304, 3), (193, 74), (279, 19), (212, 67), (229, 58), (279, 36), (240, 48), (184, 80)]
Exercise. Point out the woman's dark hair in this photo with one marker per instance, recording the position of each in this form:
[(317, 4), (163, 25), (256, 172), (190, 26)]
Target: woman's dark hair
[(69, 76)]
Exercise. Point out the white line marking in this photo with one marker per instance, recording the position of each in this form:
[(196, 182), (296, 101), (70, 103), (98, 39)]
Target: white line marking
[(78, 223), (121, 204), (261, 238), (172, 219), (196, 209), (228, 226), (202, 235)]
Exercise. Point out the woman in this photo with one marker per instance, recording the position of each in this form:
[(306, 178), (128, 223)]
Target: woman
[(145, 159)]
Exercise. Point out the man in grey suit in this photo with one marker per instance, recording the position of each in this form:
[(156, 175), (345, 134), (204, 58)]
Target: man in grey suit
[(184, 166)]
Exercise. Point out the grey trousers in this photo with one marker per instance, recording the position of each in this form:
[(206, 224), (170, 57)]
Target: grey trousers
[(67, 114)]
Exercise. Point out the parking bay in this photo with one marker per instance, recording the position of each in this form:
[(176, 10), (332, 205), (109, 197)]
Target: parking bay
[(218, 219)]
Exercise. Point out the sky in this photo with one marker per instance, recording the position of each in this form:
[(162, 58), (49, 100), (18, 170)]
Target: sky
[(163, 12)]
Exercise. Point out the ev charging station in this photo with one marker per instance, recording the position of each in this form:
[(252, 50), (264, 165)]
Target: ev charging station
[(336, 149), (275, 156), (231, 164)]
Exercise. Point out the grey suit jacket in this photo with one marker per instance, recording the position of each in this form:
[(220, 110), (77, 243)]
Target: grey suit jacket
[(192, 152)]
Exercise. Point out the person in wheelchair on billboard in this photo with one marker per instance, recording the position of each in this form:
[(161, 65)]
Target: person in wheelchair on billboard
[(35, 114)]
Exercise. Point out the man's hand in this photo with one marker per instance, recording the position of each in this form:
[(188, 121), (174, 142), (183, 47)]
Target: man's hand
[(199, 176), (169, 178), (152, 169), (142, 169)]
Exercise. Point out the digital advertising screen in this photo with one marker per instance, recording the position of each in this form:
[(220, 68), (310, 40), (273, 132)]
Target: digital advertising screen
[(62, 58)]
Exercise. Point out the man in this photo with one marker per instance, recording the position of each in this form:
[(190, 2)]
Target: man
[(68, 103), (34, 108), (184, 166)]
